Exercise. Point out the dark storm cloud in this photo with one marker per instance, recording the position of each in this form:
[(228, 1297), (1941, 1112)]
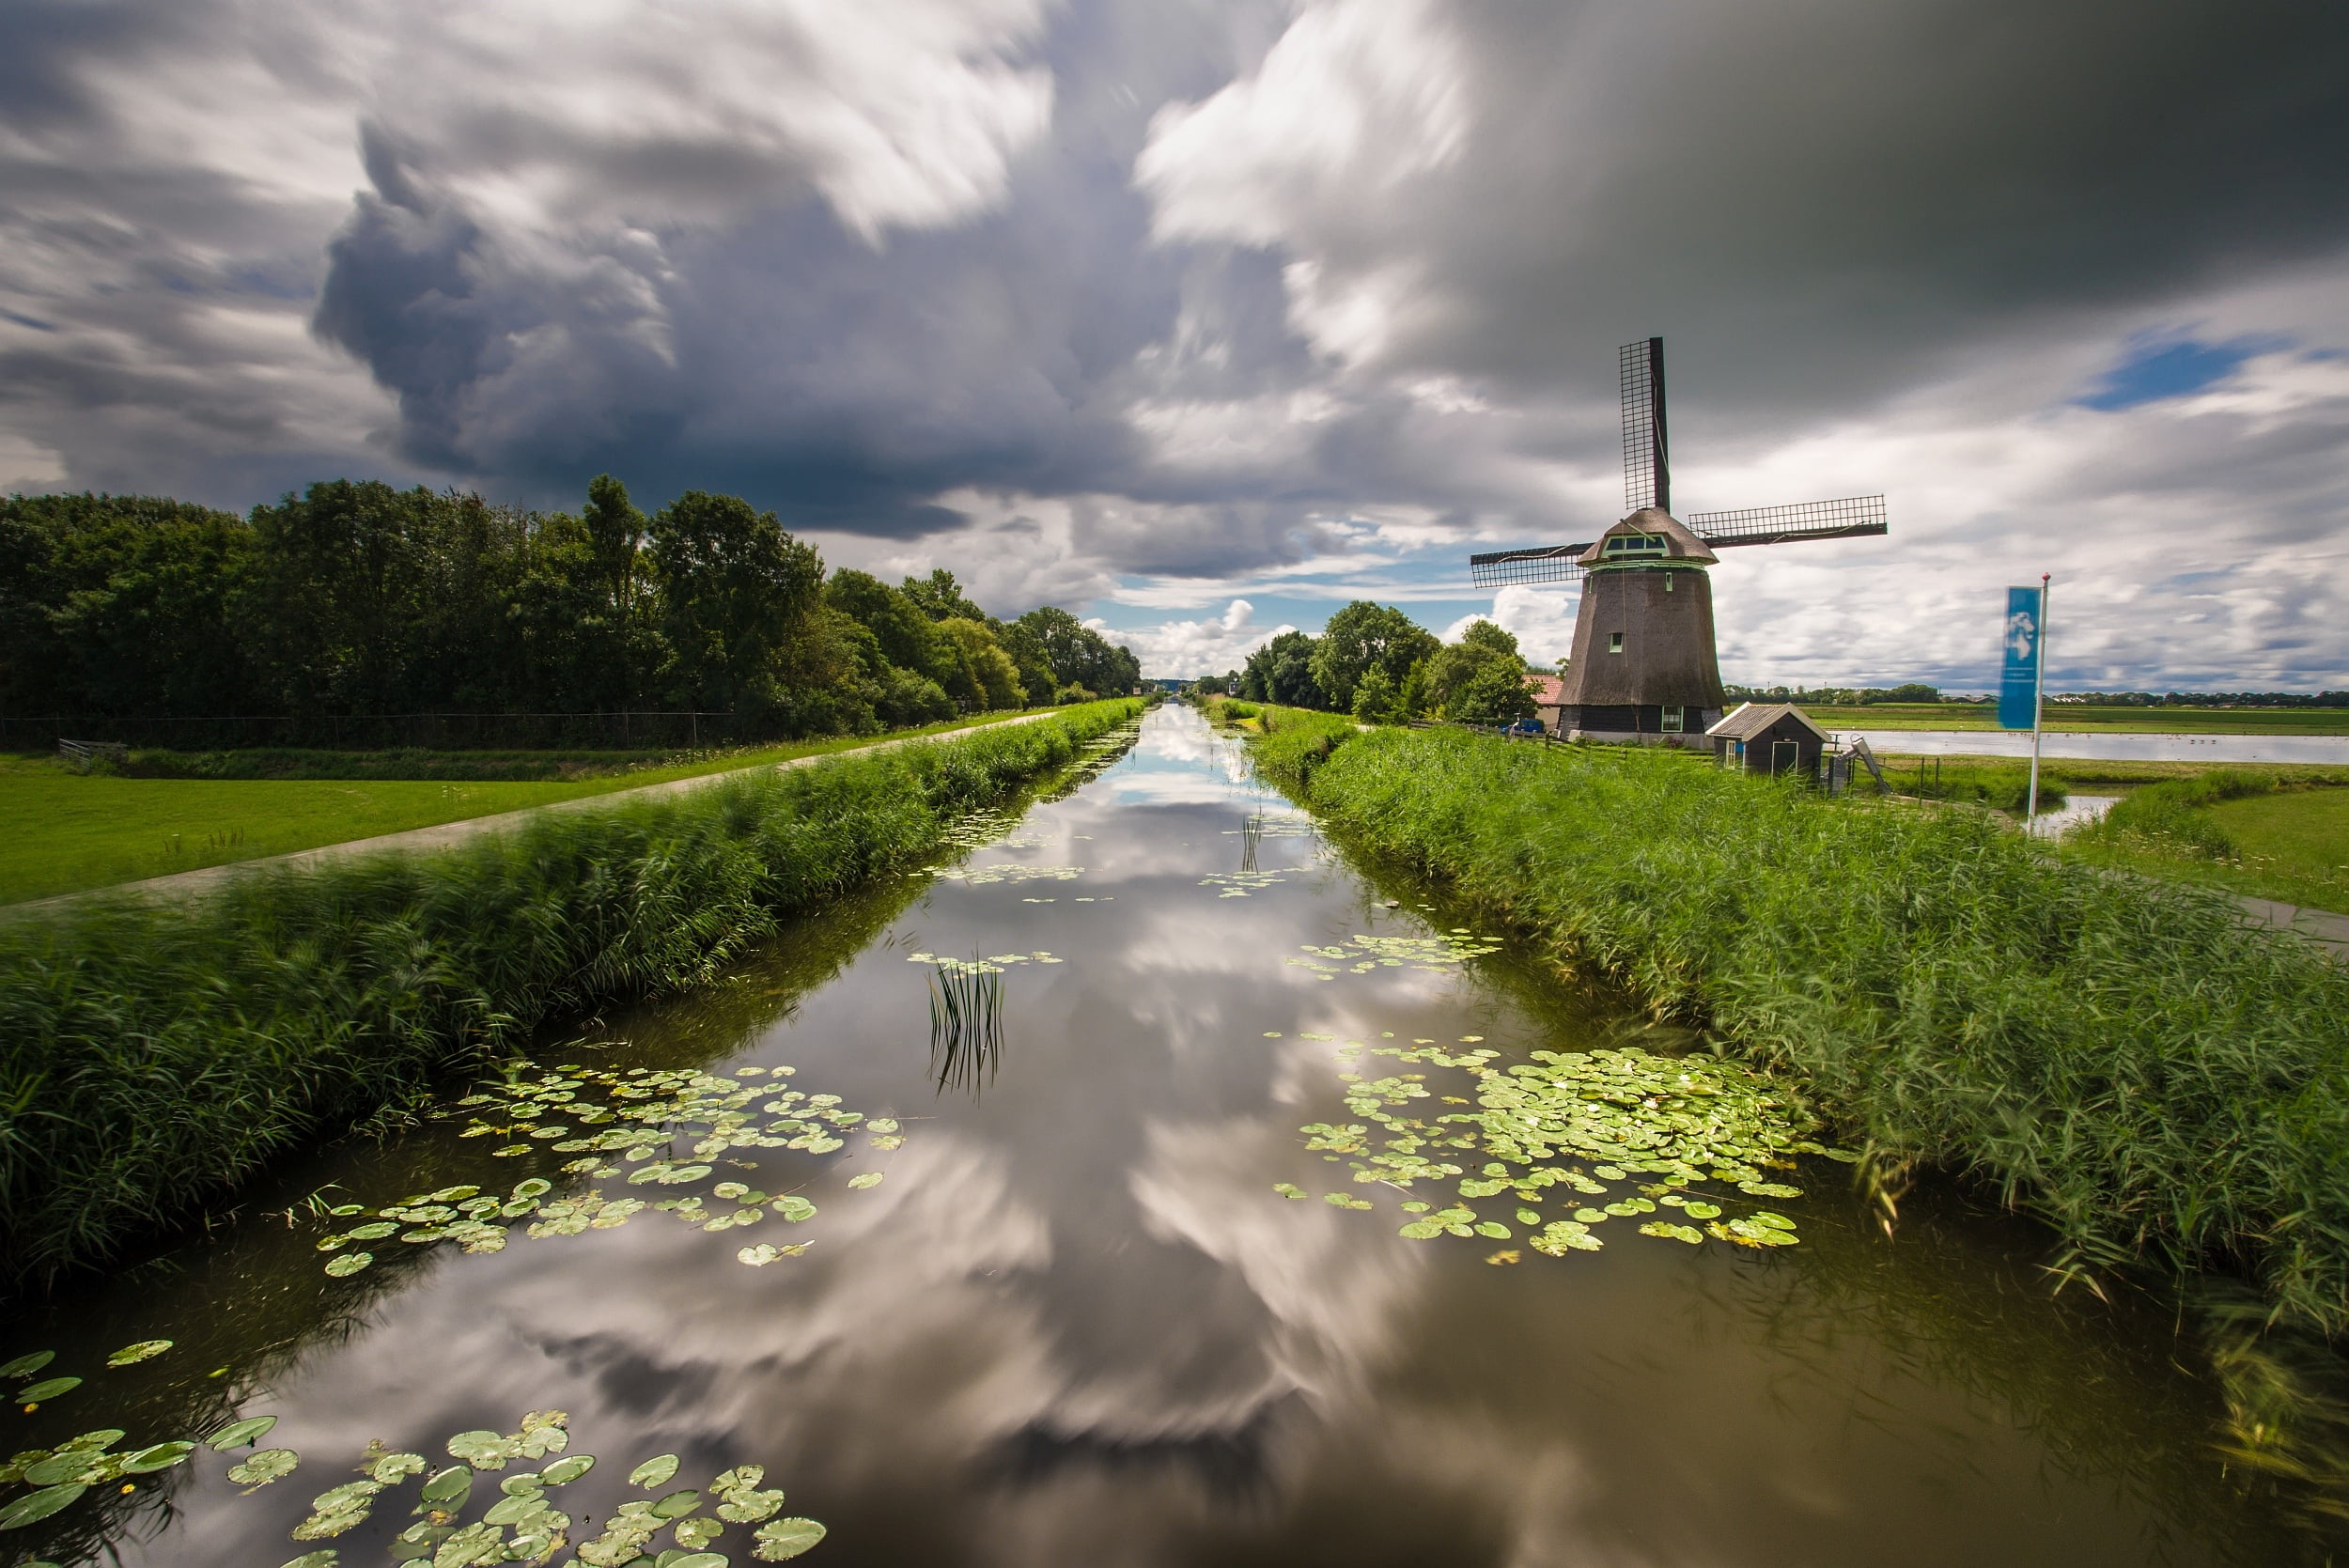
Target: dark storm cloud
[(1819, 204), (1192, 291)]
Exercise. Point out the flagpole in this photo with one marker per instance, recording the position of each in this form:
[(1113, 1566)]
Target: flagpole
[(2038, 698)]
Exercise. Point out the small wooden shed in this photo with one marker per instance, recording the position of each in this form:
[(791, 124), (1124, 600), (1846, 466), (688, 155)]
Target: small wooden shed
[(1768, 738)]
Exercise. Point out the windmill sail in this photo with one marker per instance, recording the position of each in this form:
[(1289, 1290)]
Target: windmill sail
[(1647, 481), (1647, 471), (1846, 518)]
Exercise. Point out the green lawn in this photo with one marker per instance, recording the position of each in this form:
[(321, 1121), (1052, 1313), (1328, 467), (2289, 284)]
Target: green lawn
[(73, 831), (2293, 847), (2154, 720)]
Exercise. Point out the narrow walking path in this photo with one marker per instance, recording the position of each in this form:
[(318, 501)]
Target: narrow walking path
[(187, 884), (2321, 927)]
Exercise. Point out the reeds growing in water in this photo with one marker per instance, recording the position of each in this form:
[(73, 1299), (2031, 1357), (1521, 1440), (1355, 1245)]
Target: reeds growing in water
[(2127, 1060)]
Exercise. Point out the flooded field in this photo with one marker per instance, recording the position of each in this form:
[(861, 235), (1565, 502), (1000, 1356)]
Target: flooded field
[(1152, 1185)]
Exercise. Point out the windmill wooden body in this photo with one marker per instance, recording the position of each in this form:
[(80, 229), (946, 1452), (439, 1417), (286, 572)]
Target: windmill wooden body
[(1644, 661)]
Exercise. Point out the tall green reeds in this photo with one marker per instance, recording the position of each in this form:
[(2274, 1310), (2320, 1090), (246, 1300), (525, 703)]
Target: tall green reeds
[(2127, 1060), (153, 1054)]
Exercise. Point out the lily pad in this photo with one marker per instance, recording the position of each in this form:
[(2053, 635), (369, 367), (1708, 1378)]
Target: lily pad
[(264, 1466), (483, 1451), (393, 1468), (36, 1506), (25, 1366), (781, 1540), (240, 1433), (325, 1557), (656, 1472), (162, 1456), (869, 1179), (49, 1388), (130, 1354), (450, 1488), (348, 1264), (678, 1504), (794, 1207), (694, 1534), (563, 1472)]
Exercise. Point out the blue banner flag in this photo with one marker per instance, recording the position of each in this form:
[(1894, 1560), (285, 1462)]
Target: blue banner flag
[(2018, 682)]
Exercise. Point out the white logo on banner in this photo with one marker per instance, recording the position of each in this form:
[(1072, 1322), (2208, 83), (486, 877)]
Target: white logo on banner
[(2021, 628)]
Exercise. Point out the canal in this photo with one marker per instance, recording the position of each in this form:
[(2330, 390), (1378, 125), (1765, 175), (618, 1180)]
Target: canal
[(983, 1217)]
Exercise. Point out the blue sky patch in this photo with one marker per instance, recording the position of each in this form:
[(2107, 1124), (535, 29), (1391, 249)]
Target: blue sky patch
[(2159, 367)]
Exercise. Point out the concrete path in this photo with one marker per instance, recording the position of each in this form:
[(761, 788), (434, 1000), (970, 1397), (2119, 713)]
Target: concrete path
[(2321, 926), (188, 884)]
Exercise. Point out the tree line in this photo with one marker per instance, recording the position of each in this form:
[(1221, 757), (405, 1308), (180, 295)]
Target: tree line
[(1376, 664), (356, 598)]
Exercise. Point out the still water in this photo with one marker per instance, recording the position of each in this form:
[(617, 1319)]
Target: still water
[(2104, 747), (1073, 1322)]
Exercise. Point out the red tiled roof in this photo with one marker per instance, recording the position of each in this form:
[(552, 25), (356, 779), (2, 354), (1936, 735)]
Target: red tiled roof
[(1548, 690)]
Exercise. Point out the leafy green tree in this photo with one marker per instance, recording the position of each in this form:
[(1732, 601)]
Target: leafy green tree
[(736, 594), (122, 605), (1281, 672), (368, 599), (1081, 656), (1030, 657), (940, 597), (1496, 690), (1363, 635), (908, 639), (987, 668), (1376, 699), (1482, 677)]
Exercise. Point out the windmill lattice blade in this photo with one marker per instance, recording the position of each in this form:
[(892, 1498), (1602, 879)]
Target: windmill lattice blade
[(1849, 517), (1507, 567), (1647, 454)]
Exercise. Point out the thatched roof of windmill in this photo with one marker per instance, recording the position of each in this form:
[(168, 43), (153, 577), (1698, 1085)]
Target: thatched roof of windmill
[(1680, 545)]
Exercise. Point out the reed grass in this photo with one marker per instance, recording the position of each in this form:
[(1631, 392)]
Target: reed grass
[(155, 1054), (2155, 1079)]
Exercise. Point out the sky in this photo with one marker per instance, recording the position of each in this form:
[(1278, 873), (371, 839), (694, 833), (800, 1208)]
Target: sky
[(1201, 318)]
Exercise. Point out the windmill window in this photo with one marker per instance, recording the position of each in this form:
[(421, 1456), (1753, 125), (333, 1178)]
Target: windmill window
[(1614, 642), (1636, 544), (1674, 717)]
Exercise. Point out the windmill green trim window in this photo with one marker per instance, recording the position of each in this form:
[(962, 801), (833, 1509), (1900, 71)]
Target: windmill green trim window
[(1636, 544), (1673, 718), (1614, 642)]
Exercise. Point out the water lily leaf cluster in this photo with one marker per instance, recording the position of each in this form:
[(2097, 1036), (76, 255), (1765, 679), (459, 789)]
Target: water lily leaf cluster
[(628, 1127), (1574, 1129), (1240, 884), (1008, 871), (994, 963), (1363, 954), (519, 1519), (977, 830), (55, 1478)]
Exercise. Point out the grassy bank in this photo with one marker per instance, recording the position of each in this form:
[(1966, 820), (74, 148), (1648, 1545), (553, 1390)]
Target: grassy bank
[(2247, 830), (153, 1055), (169, 811), (2129, 1061)]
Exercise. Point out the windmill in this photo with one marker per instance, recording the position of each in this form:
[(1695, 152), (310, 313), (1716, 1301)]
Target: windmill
[(1643, 661)]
